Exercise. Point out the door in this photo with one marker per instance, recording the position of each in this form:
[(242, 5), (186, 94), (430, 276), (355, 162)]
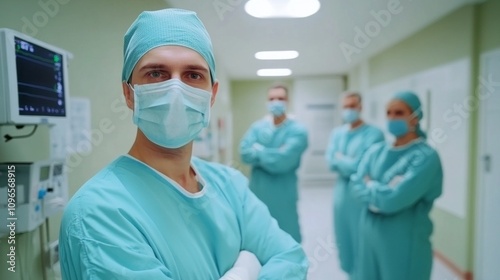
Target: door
[(315, 105), (488, 227)]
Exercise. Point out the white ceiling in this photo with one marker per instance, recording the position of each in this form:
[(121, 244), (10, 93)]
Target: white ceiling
[(237, 36)]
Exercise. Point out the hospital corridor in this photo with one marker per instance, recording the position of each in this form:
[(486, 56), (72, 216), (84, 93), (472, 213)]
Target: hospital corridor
[(249, 140)]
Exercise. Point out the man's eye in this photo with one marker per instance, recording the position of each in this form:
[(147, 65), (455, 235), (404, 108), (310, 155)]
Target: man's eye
[(155, 74), (195, 76)]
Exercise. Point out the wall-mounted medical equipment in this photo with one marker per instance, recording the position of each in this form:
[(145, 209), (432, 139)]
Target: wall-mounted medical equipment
[(33, 80), (31, 192)]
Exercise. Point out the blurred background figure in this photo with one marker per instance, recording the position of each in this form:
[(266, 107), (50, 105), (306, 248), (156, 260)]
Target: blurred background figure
[(347, 145), (273, 146), (397, 184)]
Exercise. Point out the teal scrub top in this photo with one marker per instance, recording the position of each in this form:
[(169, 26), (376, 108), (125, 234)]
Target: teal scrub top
[(352, 144), (395, 226), (131, 222), (274, 165)]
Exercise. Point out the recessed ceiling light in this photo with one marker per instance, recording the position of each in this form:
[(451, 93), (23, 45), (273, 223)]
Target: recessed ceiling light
[(276, 55), (282, 8), (274, 72)]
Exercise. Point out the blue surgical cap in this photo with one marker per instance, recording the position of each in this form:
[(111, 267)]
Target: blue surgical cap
[(168, 27), (411, 99)]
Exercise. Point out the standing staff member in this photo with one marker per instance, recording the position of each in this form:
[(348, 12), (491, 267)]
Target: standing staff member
[(347, 145), (274, 146), (398, 183)]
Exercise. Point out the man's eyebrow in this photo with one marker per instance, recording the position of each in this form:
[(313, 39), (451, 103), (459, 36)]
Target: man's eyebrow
[(152, 66), (197, 67), (163, 66)]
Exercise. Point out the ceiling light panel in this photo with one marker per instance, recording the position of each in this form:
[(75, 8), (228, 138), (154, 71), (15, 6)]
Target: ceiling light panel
[(277, 72), (276, 55), (282, 8)]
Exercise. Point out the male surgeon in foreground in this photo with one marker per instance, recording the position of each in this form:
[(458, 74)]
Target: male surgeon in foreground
[(157, 212)]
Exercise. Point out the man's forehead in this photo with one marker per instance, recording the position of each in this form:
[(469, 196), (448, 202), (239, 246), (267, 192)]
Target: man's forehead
[(351, 100), (277, 92)]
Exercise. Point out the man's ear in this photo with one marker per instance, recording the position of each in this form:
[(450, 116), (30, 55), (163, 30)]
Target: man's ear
[(215, 89), (128, 94)]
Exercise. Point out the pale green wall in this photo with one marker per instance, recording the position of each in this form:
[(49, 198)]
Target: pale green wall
[(222, 110), (489, 21), (353, 78), (250, 98), (93, 31), (447, 40), (463, 33)]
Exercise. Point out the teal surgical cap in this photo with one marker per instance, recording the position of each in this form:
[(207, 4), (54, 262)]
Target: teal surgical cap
[(411, 99), (168, 27)]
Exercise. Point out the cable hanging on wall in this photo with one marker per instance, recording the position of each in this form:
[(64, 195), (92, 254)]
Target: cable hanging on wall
[(8, 137)]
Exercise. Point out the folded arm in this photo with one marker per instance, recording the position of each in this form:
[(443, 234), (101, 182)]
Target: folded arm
[(389, 198), (348, 165), (248, 151), (280, 255), (285, 158), (247, 267)]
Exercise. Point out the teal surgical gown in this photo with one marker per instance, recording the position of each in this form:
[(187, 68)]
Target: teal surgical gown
[(274, 152), (131, 222), (351, 144), (395, 226)]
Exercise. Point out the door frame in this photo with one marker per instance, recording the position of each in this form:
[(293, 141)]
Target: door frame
[(480, 191)]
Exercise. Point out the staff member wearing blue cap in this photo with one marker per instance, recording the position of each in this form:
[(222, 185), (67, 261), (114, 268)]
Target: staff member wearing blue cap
[(398, 183), (156, 212)]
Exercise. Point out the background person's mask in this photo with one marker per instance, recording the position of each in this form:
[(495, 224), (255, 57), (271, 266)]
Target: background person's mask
[(276, 107), (400, 127), (350, 115)]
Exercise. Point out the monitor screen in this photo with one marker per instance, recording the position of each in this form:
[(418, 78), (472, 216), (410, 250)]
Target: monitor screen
[(44, 172), (58, 169), (40, 80)]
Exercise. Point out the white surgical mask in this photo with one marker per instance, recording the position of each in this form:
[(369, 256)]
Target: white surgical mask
[(350, 115), (276, 107), (171, 114)]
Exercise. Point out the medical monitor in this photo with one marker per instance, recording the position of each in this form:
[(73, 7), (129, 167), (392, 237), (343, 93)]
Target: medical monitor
[(33, 80)]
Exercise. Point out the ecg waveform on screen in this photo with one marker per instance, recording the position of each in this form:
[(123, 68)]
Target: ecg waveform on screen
[(40, 80)]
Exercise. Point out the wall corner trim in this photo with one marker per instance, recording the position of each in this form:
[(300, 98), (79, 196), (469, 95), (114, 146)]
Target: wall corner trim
[(459, 273)]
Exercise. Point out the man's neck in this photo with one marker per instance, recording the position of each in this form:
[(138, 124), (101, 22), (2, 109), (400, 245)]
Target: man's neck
[(279, 119), (356, 124), (406, 139), (173, 163)]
